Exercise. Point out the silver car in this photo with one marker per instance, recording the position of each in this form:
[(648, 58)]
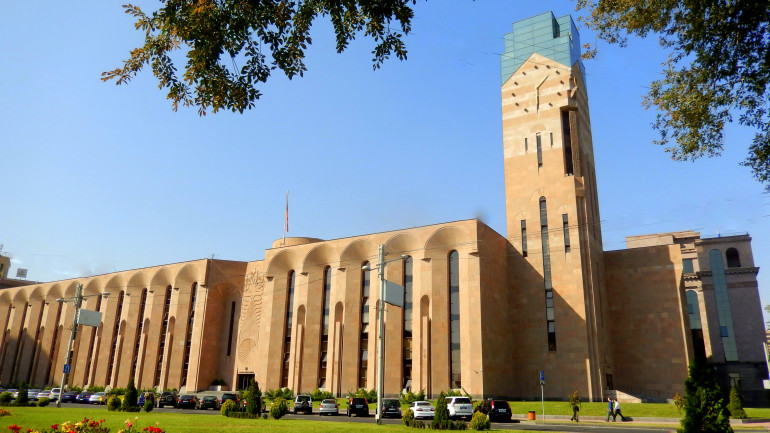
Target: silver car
[(423, 409), (459, 407), (329, 406)]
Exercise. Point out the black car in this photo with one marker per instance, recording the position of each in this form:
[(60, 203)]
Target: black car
[(210, 402), (391, 407), (229, 396), (188, 401), (69, 397), (167, 398), (358, 406), (496, 410), (83, 397)]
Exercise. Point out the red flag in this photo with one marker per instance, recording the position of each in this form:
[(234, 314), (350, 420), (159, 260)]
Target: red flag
[(287, 211)]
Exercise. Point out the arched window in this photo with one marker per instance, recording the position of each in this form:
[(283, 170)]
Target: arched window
[(138, 339), (326, 299), (188, 337), (407, 336), (454, 319), (163, 332), (363, 360), (287, 334), (724, 312), (733, 258)]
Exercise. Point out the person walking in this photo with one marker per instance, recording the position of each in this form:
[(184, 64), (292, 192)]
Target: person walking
[(610, 409), (617, 412), (574, 401)]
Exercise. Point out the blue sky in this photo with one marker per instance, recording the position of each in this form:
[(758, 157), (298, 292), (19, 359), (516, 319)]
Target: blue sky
[(101, 178)]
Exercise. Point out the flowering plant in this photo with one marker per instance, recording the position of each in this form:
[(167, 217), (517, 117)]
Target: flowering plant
[(150, 428), (86, 426)]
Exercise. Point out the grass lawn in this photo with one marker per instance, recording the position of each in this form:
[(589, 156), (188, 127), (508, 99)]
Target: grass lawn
[(43, 417)]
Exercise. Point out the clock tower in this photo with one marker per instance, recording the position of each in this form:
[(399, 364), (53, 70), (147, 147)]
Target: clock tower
[(552, 210)]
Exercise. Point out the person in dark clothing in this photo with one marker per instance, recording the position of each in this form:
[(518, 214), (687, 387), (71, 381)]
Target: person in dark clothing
[(610, 409)]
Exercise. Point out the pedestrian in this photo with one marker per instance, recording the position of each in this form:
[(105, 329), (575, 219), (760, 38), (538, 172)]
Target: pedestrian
[(574, 401), (617, 411), (610, 409)]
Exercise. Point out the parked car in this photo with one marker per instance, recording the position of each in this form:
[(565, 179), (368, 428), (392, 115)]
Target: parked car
[(358, 406), (167, 398), (329, 406), (98, 398), (229, 396), (496, 410), (55, 394), (146, 396), (423, 409), (14, 392), (391, 407), (69, 397), (304, 404), (459, 407), (44, 394), (210, 402), (32, 394), (83, 397), (188, 401)]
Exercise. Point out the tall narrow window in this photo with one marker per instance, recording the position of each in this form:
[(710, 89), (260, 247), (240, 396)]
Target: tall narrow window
[(454, 320), (138, 339), (539, 151), (363, 361), (53, 350), (566, 143), (687, 266), (287, 335), (232, 325), (524, 238), (565, 229), (327, 290), (733, 258), (115, 334), (724, 312), (407, 355), (163, 332), (188, 337), (526, 145), (549, 312)]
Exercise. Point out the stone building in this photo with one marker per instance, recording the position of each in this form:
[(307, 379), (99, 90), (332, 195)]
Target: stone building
[(482, 312)]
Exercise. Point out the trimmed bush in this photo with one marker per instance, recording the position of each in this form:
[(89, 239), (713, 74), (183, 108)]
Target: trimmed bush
[(228, 406), (242, 415), (736, 404), (279, 408), (43, 402), (705, 407), (441, 416), (480, 422), (23, 397), (5, 398), (130, 400), (148, 405), (253, 397), (113, 403), (408, 418)]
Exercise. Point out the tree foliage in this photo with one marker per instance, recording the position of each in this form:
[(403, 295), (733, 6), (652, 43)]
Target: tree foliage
[(735, 407), (232, 46), (705, 409), (253, 397), (718, 68)]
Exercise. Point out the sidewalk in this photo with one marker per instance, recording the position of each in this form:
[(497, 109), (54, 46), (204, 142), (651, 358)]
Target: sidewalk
[(735, 423)]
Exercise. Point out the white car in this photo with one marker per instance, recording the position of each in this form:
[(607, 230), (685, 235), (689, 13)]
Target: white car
[(459, 407), (55, 393), (423, 409), (329, 406)]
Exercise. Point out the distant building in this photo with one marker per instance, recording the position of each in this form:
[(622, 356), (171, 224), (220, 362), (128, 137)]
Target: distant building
[(481, 312)]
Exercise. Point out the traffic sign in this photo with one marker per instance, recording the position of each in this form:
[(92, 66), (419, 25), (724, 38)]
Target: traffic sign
[(67, 368), (542, 375)]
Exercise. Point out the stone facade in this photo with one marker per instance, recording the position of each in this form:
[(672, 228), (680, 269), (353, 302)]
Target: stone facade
[(482, 312)]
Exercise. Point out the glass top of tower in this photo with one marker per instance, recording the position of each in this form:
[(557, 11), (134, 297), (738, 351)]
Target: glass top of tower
[(551, 37)]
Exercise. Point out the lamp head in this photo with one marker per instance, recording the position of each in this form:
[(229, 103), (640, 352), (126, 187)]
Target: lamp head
[(366, 268), (105, 294)]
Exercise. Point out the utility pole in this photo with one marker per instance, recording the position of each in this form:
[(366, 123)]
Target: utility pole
[(78, 302)]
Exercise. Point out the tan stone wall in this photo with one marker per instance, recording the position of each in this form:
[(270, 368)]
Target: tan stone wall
[(648, 328)]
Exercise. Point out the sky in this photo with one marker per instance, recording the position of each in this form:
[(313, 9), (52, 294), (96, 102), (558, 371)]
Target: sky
[(99, 178)]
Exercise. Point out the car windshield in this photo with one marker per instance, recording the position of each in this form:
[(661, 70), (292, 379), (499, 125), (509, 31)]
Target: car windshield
[(423, 403), (330, 401), (391, 403), (462, 400), (209, 398), (303, 398)]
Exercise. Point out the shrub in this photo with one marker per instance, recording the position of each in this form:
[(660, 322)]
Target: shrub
[(408, 418), (148, 405), (117, 391), (287, 394), (129, 402), (4, 412), (264, 416), (411, 397), (480, 422), (679, 402), (736, 405), (319, 395), (95, 388), (228, 406), (218, 382), (43, 402), (279, 408), (253, 398), (441, 416), (705, 407), (113, 403), (5, 398), (23, 397)]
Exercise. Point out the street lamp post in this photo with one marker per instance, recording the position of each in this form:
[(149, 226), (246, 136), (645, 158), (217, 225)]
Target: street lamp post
[(381, 329), (78, 302)]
